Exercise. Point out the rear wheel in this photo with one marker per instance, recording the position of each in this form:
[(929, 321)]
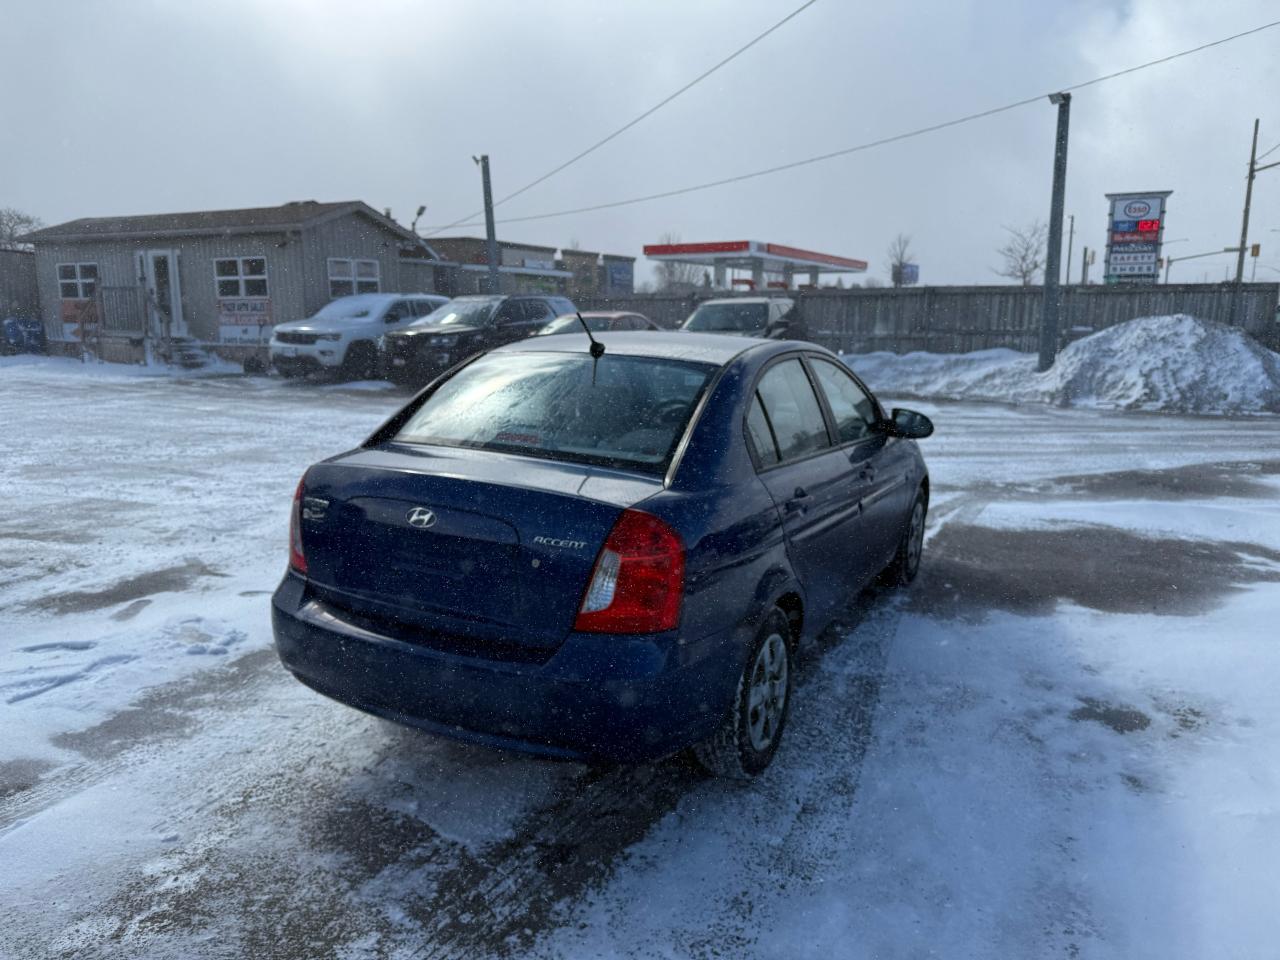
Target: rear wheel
[(360, 363), (906, 562), (748, 737)]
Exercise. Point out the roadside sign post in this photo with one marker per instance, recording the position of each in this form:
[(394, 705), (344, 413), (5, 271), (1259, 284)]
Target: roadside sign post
[(1135, 235)]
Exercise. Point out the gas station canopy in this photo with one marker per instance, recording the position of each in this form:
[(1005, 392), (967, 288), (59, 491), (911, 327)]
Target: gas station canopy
[(760, 258)]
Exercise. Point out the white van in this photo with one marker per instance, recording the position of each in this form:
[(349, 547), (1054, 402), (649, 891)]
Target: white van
[(342, 336)]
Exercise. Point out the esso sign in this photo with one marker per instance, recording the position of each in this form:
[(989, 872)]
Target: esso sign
[(1135, 209)]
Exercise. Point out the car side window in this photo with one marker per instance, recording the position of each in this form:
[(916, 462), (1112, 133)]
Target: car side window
[(422, 307), (793, 410), (399, 310), (510, 312), (854, 410), (761, 434), (540, 311)]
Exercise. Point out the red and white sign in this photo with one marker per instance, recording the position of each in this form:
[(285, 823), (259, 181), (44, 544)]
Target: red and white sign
[(750, 253), (244, 320), (79, 318)]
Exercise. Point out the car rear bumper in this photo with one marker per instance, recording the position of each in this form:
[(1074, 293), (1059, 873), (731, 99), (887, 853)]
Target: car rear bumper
[(597, 698)]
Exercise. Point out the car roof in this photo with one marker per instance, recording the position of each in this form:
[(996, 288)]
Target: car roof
[(602, 314), (713, 348), (383, 297), (742, 300)]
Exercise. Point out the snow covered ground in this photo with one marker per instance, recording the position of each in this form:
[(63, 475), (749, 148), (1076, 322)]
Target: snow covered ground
[(1059, 742), (1176, 363)]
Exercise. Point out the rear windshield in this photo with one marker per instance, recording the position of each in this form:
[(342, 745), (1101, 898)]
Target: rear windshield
[(628, 412), (729, 317)]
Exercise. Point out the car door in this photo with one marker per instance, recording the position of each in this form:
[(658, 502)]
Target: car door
[(540, 313), (515, 321), (508, 324), (807, 478), (879, 466)]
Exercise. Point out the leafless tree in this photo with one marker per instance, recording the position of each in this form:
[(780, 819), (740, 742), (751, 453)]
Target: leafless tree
[(13, 224), (899, 254), (678, 277), (1024, 252)]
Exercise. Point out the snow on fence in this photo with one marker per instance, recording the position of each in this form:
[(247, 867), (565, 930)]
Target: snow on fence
[(962, 319)]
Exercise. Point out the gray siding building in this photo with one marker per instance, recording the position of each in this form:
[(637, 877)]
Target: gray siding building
[(221, 278)]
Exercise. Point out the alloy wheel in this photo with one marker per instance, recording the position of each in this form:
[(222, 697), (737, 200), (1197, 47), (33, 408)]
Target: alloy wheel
[(767, 694)]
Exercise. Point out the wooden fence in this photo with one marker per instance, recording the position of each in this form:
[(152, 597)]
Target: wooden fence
[(961, 319)]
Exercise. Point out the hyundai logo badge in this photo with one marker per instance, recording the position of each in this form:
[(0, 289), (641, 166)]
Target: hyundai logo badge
[(422, 518)]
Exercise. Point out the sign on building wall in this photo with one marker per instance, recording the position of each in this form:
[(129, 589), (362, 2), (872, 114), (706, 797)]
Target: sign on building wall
[(244, 320), (620, 276), (1135, 232), (79, 318)]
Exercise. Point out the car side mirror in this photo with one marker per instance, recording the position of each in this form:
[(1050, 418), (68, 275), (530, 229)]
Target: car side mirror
[(909, 424)]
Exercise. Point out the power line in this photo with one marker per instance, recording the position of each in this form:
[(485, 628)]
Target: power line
[(631, 123), (1269, 152), (921, 131)]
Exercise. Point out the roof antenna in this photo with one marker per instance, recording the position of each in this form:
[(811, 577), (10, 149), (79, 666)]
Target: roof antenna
[(597, 348)]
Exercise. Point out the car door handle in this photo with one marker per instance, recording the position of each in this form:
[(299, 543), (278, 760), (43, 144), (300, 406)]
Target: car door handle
[(799, 500)]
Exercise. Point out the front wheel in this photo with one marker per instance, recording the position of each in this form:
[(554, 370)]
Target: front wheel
[(906, 562), (360, 363), (748, 737)]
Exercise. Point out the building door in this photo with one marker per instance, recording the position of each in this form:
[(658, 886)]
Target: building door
[(158, 271)]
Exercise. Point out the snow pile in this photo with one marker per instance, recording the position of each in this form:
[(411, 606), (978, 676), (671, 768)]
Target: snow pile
[(101, 370), (1175, 363)]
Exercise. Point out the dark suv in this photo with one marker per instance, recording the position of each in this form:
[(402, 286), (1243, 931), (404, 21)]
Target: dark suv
[(462, 327)]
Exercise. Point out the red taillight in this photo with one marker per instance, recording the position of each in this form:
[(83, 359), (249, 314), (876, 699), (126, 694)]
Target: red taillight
[(297, 559), (638, 581)]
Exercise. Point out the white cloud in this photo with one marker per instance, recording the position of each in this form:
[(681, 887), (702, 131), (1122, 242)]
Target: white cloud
[(138, 108)]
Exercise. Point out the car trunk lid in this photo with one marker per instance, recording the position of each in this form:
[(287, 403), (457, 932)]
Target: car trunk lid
[(461, 545)]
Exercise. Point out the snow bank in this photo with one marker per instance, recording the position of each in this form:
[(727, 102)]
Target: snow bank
[(1175, 363)]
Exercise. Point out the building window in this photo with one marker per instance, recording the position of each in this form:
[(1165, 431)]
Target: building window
[(77, 281), (348, 276), (241, 277)]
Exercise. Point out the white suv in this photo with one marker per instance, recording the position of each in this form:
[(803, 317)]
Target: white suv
[(342, 336)]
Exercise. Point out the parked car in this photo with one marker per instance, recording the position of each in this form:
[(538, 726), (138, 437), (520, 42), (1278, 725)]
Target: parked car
[(467, 325), (342, 335), (603, 558), (773, 317), (599, 321)]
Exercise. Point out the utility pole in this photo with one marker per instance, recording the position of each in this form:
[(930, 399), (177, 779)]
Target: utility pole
[(1049, 315), (1084, 266), (1244, 227), (495, 284), (1071, 239)]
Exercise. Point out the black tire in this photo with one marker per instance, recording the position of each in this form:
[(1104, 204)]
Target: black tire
[(360, 363), (906, 561), (744, 744)]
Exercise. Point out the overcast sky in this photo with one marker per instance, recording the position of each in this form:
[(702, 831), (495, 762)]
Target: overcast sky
[(135, 107)]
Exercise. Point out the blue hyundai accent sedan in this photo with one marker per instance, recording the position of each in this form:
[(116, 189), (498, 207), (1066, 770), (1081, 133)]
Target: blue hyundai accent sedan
[(604, 558)]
